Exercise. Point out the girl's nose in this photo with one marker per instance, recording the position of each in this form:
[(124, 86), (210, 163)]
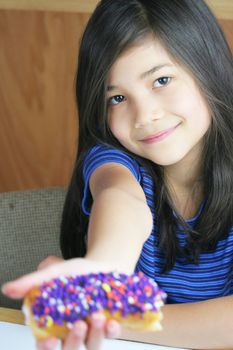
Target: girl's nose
[(146, 113)]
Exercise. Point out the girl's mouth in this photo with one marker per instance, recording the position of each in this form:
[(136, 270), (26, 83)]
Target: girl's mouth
[(159, 136)]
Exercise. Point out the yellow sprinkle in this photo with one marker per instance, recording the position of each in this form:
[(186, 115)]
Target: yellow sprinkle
[(49, 321), (106, 287)]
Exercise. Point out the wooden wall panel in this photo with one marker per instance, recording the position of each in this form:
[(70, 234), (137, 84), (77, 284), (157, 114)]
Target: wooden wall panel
[(222, 8), (38, 114), (227, 27)]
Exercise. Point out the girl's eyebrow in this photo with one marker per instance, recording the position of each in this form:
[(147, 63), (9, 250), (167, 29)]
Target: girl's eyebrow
[(154, 69), (144, 75)]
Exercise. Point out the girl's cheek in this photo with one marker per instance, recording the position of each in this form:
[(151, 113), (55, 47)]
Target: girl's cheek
[(118, 128), (118, 133)]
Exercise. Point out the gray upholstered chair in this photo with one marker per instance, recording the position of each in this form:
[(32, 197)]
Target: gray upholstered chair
[(29, 232)]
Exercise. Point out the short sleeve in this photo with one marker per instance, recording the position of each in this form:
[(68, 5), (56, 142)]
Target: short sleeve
[(99, 155)]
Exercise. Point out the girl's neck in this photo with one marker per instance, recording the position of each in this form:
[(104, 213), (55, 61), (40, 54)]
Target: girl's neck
[(188, 171), (185, 185), (187, 203)]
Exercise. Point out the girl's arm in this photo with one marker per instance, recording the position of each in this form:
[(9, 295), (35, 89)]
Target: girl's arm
[(120, 220), (202, 325)]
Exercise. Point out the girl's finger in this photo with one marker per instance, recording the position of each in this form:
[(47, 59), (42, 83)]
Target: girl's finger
[(50, 260), (97, 332), (18, 288), (113, 329), (47, 344), (76, 337)]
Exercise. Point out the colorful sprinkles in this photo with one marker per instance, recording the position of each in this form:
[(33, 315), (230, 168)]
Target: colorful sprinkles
[(68, 299)]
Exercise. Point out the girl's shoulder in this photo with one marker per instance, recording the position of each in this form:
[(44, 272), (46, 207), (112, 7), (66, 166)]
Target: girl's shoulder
[(100, 154), (102, 149)]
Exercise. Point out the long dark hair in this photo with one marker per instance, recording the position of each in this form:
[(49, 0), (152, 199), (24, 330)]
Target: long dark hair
[(190, 33)]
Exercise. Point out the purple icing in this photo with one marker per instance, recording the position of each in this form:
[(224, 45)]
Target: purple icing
[(68, 299)]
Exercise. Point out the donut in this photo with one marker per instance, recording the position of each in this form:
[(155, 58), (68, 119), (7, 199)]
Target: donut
[(133, 300)]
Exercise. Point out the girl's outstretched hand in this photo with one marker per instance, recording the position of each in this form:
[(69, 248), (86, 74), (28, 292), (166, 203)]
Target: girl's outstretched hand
[(49, 268), (81, 334)]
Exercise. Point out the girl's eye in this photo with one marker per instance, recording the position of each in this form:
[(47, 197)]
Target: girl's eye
[(162, 81), (115, 100)]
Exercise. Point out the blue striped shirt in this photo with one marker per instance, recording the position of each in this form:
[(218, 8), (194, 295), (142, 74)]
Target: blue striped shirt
[(185, 282)]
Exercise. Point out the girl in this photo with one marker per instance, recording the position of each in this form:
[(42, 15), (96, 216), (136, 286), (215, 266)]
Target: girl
[(152, 185)]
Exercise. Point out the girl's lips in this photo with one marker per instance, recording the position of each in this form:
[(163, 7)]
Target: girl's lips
[(159, 136)]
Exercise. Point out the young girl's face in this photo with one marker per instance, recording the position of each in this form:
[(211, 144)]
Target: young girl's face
[(155, 108)]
